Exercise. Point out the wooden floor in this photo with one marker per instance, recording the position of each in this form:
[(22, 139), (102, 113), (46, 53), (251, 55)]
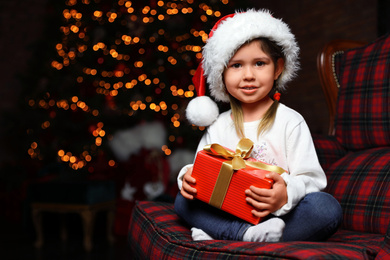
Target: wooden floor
[(17, 242)]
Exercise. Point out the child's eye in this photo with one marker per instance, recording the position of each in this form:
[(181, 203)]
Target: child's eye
[(260, 63), (236, 65)]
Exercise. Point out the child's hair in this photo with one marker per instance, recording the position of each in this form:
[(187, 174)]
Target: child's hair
[(275, 52)]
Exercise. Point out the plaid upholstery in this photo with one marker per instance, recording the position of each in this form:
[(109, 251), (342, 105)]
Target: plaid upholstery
[(156, 232), (360, 181), (329, 150), (385, 251), (363, 109)]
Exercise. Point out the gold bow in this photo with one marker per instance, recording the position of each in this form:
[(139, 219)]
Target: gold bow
[(235, 161)]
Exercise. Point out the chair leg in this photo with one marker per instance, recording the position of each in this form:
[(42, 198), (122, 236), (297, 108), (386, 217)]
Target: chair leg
[(110, 225), (88, 219), (37, 219), (63, 231)]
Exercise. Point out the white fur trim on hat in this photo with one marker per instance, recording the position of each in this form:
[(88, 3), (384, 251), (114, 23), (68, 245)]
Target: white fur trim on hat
[(202, 111), (237, 30)]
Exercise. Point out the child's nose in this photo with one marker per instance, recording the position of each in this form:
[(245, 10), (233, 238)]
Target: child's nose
[(248, 73)]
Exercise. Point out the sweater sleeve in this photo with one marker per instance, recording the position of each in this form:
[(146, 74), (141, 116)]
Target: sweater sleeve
[(305, 174), (202, 143), (181, 174)]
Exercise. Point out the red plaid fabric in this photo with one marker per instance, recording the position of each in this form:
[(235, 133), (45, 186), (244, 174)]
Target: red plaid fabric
[(363, 110), (385, 252), (360, 181), (156, 232), (329, 150)]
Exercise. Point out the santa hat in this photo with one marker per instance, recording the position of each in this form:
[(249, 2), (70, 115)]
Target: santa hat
[(225, 38)]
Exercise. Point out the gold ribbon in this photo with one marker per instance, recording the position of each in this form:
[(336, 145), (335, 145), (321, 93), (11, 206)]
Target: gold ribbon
[(235, 161)]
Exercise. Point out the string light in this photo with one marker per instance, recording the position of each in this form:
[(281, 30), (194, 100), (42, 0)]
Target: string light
[(123, 66)]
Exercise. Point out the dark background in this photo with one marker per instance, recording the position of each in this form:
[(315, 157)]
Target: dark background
[(314, 23)]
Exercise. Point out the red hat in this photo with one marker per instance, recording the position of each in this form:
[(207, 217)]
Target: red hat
[(195, 113)]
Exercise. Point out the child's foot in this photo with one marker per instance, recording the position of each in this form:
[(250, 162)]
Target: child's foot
[(268, 231), (199, 234)]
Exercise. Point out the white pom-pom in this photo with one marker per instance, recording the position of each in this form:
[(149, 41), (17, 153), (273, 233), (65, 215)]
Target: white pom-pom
[(202, 111)]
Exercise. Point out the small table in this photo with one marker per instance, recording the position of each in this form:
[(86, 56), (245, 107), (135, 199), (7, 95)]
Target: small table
[(84, 197), (87, 213)]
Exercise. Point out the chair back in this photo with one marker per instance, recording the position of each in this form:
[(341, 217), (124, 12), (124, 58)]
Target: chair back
[(356, 82), (326, 73)]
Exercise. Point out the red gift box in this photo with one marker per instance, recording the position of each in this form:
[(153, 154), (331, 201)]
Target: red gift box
[(231, 195)]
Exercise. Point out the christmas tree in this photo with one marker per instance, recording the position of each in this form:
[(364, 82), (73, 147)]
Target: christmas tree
[(105, 66)]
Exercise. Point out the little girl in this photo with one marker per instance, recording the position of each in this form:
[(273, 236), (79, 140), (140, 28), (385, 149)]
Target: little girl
[(247, 60)]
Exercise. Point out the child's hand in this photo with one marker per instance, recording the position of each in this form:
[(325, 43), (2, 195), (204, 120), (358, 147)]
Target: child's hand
[(266, 201), (187, 190)]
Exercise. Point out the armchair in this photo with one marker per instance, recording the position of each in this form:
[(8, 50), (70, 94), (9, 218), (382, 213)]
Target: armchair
[(355, 156)]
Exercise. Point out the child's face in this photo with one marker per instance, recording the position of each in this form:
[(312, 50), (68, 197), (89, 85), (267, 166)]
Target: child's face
[(250, 74)]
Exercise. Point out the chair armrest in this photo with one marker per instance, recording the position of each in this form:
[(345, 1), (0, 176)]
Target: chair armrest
[(329, 150)]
